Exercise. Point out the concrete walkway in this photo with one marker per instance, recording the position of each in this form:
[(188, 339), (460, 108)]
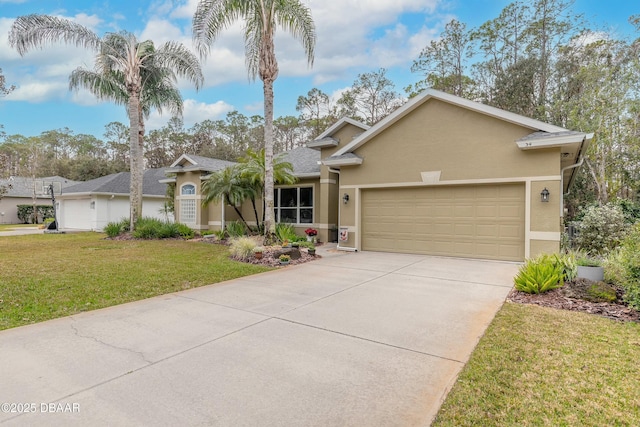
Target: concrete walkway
[(356, 339), (22, 231)]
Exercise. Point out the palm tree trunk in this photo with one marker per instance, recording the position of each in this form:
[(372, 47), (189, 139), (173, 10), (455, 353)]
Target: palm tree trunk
[(136, 160), (238, 212), (269, 222)]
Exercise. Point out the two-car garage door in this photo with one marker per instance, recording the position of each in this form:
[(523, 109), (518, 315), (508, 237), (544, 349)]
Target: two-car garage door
[(474, 221)]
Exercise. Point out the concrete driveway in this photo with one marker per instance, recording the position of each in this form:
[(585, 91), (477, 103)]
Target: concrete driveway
[(355, 339)]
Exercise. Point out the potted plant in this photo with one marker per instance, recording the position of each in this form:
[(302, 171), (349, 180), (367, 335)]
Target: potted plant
[(285, 259), (311, 234), (258, 251), (312, 250), (590, 268), (286, 244)]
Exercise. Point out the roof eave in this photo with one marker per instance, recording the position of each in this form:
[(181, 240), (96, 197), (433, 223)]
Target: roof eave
[(551, 142), (352, 161)]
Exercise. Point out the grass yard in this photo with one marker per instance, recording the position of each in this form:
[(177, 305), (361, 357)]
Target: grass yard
[(53, 275), (538, 366), (9, 227)]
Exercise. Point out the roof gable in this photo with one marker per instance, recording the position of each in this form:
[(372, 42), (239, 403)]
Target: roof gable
[(534, 125), (118, 183), (339, 125)]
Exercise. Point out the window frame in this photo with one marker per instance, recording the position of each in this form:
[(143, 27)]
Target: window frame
[(278, 208)]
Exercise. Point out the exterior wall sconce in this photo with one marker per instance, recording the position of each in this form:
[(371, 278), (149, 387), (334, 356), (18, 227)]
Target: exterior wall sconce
[(345, 198), (544, 195)]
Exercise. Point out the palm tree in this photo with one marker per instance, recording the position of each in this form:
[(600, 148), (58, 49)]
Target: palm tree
[(120, 57), (253, 169), (261, 19), (227, 185)]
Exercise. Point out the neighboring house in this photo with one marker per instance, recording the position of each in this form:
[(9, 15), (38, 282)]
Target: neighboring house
[(440, 176), (91, 205), (21, 190)]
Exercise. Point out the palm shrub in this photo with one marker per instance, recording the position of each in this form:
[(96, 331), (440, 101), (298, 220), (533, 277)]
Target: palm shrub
[(539, 275), (602, 228), (285, 231), (236, 229), (114, 229), (242, 248)]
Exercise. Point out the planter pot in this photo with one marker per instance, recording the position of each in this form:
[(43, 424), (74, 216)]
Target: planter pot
[(595, 274), (309, 238), (258, 255), (284, 262), (312, 252)]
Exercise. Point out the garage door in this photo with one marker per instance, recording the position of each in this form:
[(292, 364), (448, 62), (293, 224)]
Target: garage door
[(482, 221)]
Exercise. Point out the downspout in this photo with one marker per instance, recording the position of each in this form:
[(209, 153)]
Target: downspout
[(337, 172), (575, 165)]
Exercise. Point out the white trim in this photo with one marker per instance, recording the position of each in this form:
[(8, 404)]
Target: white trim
[(358, 243), (323, 143), (215, 223), (412, 104), (183, 157), (328, 181), (167, 180), (350, 161), (339, 125), (346, 248), (307, 175), (545, 235), (455, 182), (432, 177), (559, 141)]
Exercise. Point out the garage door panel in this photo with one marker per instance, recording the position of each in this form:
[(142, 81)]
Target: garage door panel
[(471, 221)]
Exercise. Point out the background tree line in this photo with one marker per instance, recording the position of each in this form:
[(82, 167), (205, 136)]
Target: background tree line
[(538, 59)]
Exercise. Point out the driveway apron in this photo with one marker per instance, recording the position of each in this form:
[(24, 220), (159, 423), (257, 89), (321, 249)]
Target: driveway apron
[(357, 339)]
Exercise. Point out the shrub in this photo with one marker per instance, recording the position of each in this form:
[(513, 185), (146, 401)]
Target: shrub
[(629, 259), (220, 234), (235, 229), (114, 229), (285, 231), (185, 231), (242, 248), (25, 213), (539, 275), (602, 228)]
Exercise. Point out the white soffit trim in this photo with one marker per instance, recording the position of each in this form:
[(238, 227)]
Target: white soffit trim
[(167, 180), (551, 142), (308, 175), (339, 124), (323, 143), (452, 99), (350, 161)]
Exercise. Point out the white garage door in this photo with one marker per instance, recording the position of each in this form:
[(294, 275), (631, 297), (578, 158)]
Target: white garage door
[(480, 221), (77, 214)]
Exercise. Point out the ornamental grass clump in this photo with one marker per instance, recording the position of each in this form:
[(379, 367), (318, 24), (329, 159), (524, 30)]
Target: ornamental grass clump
[(242, 248), (539, 275)]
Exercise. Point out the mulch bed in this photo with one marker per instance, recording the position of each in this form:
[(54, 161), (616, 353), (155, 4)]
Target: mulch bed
[(572, 296)]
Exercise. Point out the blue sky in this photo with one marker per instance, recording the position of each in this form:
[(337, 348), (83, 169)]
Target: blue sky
[(353, 36)]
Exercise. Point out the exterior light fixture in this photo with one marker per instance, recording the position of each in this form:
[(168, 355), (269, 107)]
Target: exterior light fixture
[(345, 198), (544, 195)]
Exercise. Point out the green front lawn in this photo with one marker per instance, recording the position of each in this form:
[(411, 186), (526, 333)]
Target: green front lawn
[(538, 366), (53, 275)]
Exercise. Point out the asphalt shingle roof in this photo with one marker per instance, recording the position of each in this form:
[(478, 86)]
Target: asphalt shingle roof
[(118, 183), (304, 160)]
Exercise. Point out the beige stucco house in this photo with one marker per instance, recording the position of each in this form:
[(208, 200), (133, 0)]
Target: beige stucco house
[(441, 175)]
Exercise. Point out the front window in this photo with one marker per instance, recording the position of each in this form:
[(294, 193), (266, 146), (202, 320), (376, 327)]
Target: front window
[(188, 190), (294, 205), (188, 211)]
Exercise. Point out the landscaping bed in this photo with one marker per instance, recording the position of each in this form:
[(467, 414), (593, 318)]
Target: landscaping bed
[(575, 296)]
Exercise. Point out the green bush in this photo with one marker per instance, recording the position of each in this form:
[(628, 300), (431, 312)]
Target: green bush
[(114, 229), (236, 229), (285, 231), (539, 275), (185, 231), (629, 259), (242, 248), (25, 213), (630, 210), (602, 228)]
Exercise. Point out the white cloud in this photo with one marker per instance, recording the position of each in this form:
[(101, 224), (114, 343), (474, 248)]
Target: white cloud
[(36, 92), (194, 112)]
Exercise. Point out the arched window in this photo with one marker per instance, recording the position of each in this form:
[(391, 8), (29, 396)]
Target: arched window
[(188, 190)]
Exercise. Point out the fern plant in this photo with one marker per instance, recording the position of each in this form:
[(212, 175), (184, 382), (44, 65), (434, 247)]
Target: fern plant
[(536, 277)]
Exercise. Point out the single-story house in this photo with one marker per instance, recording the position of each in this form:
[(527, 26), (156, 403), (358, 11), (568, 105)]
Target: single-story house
[(91, 205), (22, 190), (441, 175)]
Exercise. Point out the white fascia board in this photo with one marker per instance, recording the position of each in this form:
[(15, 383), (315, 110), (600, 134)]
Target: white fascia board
[(452, 99), (339, 124), (351, 161), (551, 142), (167, 180), (308, 175), (322, 143)]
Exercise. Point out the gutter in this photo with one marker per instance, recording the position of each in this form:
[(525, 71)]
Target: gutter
[(340, 248)]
